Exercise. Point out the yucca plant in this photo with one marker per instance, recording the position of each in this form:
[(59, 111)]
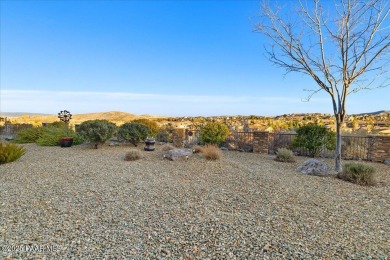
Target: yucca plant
[(10, 152)]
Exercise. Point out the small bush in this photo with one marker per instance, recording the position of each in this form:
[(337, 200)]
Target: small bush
[(133, 132), (133, 155), (358, 173), (167, 147), (284, 155), (211, 152), (197, 149), (29, 135), (153, 127), (10, 152), (97, 131), (315, 138), (214, 133), (51, 136)]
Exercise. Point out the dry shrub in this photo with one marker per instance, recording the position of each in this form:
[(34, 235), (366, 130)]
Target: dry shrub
[(285, 155), (358, 173), (167, 147), (133, 155), (197, 149), (211, 152)]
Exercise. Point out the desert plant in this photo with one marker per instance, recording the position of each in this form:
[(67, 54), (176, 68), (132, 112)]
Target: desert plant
[(211, 152), (359, 173), (214, 133), (197, 149), (29, 135), (133, 155), (167, 147), (51, 136), (153, 127), (314, 138), (165, 135), (284, 155), (10, 152), (133, 132), (97, 131)]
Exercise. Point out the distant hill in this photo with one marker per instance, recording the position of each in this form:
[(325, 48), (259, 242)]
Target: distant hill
[(381, 112), (16, 114), (37, 119)]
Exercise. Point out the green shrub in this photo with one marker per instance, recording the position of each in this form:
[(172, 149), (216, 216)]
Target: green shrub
[(214, 133), (359, 173), (29, 135), (153, 127), (284, 155), (59, 124), (96, 131), (133, 132), (51, 136), (10, 152), (133, 155), (315, 138)]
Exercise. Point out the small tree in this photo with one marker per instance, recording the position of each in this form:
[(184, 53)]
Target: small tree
[(133, 132), (343, 45), (315, 138), (214, 133), (97, 131), (153, 127)]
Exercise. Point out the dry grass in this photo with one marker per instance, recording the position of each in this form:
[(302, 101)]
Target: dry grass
[(197, 149), (285, 155), (211, 152), (359, 173), (167, 147), (133, 155)]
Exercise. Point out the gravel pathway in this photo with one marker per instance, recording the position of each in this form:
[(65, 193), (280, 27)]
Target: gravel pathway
[(72, 203)]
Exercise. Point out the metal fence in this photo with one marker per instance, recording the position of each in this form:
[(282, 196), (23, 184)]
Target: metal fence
[(352, 147), (240, 141)]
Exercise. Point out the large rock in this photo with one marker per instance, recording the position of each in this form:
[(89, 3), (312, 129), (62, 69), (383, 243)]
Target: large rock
[(178, 154), (314, 167), (386, 161)]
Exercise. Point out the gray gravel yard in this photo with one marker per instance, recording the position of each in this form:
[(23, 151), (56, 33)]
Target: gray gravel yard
[(83, 203)]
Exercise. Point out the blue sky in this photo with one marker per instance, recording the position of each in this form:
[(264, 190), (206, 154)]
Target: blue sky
[(177, 58)]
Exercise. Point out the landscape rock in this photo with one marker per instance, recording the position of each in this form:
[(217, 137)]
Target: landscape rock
[(178, 154), (386, 161), (314, 167)]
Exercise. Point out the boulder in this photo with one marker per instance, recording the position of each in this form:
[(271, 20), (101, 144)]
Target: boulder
[(314, 167), (178, 154)]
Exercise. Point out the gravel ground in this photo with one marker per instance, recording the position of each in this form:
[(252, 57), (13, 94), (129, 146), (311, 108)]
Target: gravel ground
[(77, 202)]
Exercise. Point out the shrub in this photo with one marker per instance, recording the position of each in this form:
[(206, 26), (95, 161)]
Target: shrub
[(315, 138), (153, 127), (284, 155), (167, 147), (359, 173), (10, 152), (59, 124), (211, 152), (214, 133), (51, 136), (197, 149), (165, 135), (97, 131), (133, 132), (29, 135), (133, 155)]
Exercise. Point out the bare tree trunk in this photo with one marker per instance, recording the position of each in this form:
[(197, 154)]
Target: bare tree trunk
[(339, 122)]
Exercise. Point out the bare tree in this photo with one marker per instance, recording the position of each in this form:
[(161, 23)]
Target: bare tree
[(343, 45)]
